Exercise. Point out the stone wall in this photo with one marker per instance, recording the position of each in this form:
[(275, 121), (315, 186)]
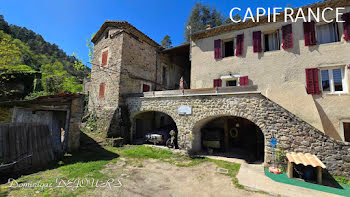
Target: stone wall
[(293, 133), (76, 114), (132, 61), (109, 74)]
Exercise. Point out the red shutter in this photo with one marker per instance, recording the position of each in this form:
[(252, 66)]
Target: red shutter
[(346, 25), (217, 83), (287, 35), (257, 42), (309, 33), (217, 49), (240, 45), (102, 90), (312, 85), (243, 81), (146, 88), (104, 58)]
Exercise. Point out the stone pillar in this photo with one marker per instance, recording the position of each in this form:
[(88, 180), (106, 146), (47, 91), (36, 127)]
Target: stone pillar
[(76, 114)]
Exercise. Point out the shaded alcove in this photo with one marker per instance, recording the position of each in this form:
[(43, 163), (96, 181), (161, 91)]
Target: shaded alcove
[(229, 136), (152, 122)]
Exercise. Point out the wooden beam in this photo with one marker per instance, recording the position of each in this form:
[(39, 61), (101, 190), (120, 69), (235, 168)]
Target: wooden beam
[(319, 175), (290, 170)]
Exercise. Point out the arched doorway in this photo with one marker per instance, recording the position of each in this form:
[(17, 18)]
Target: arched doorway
[(230, 136), (153, 127)]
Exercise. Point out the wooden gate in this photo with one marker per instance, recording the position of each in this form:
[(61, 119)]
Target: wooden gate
[(24, 145)]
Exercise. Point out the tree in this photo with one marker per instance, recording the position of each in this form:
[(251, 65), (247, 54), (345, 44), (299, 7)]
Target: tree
[(4, 26), (201, 16), (166, 42), (236, 17)]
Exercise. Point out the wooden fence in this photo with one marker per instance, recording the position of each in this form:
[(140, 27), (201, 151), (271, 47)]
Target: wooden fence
[(24, 146)]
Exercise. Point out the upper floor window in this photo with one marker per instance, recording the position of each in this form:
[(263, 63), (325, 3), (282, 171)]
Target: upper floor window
[(327, 33), (106, 34), (332, 80), (102, 90), (228, 49), (104, 60), (272, 41)]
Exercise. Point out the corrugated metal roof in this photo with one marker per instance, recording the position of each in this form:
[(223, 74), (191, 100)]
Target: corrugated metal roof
[(306, 159)]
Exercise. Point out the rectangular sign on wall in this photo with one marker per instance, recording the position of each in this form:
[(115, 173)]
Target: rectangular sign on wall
[(184, 110)]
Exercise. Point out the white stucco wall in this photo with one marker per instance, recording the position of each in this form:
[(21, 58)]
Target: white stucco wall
[(280, 75)]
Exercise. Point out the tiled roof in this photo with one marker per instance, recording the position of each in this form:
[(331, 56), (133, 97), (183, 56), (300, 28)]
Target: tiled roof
[(248, 24), (306, 159), (123, 25)]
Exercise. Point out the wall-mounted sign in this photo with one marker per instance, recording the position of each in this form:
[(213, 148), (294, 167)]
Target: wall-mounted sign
[(184, 110)]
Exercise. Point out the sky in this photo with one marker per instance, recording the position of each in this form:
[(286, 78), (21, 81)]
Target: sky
[(69, 23)]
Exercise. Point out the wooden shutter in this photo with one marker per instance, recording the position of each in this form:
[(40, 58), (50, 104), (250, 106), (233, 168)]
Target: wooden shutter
[(287, 35), (257, 42), (217, 83), (104, 58), (102, 90), (346, 25), (240, 45), (310, 33), (312, 85), (145, 88), (243, 81), (217, 49)]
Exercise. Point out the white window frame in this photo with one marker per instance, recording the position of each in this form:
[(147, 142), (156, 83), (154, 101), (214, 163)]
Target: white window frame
[(146, 83), (331, 81), (225, 79), (338, 34), (278, 31), (342, 132), (109, 52)]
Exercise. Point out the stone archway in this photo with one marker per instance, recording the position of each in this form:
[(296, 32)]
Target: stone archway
[(229, 136), (293, 134), (151, 122)]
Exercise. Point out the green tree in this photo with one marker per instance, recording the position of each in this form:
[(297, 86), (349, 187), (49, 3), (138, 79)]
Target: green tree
[(236, 17), (10, 53), (201, 16), (166, 42), (53, 76)]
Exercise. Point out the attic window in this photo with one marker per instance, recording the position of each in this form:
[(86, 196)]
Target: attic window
[(106, 34)]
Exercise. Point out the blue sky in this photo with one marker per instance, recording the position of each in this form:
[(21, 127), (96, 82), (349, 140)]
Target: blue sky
[(68, 23)]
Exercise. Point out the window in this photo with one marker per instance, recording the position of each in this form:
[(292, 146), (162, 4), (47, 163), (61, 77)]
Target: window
[(104, 60), (332, 80), (106, 34), (164, 76), (327, 33), (346, 127), (231, 83), (145, 87), (228, 48), (272, 41), (102, 90)]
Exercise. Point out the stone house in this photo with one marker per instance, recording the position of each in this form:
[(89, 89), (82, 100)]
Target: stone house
[(245, 84)]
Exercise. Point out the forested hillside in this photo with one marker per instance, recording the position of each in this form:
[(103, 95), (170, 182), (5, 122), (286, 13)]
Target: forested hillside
[(22, 51)]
